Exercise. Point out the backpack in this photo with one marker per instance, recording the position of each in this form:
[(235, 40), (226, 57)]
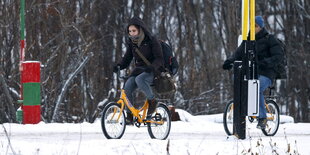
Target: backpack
[(281, 68), (170, 62), (164, 83)]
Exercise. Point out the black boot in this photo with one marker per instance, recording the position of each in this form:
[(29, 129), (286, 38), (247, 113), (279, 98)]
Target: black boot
[(152, 107), (261, 123), (129, 118)]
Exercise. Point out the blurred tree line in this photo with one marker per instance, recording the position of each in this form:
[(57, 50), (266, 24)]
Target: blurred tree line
[(62, 33)]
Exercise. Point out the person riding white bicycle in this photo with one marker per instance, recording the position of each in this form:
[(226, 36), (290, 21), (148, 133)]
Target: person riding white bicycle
[(269, 54)]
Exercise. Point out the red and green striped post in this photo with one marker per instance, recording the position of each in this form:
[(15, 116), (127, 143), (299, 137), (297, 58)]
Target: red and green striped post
[(30, 112), (31, 92)]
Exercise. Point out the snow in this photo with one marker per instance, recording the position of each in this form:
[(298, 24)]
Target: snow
[(31, 62), (193, 135)]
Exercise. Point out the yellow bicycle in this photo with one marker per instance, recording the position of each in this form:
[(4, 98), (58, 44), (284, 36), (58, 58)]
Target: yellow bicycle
[(113, 121)]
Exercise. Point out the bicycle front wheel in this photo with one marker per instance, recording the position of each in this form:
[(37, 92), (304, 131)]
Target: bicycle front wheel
[(273, 118), (161, 123), (228, 118), (113, 121)]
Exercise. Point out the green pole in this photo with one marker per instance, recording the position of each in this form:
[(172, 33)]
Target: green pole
[(22, 19), (22, 30)]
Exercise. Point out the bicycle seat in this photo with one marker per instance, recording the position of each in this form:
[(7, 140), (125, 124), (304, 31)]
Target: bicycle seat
[(270, 90), (272, 86)]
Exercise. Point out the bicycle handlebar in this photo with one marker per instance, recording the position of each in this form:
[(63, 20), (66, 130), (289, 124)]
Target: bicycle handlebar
[(118, 74)]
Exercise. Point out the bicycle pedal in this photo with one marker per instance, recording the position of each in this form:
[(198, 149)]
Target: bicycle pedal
[(146, 121), (137, 124), (157, 117)]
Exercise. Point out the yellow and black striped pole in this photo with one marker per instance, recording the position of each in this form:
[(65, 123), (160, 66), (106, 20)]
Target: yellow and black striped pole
[(248, 21), (244, 70), (248, 9), (252, 20), (245, 19)]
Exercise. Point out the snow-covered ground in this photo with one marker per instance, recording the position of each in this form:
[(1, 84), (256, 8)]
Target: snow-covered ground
[(192, 135)]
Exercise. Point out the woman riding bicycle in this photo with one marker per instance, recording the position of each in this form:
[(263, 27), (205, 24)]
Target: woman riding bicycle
[(269, 54), (141, 39)]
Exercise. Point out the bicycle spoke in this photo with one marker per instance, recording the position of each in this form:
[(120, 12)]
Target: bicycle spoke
[(272, 119), (160, 130), (113, 121), (228, 117)]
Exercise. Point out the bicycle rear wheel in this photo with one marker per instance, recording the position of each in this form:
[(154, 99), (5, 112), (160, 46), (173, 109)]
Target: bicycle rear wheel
[(273, 118), (113, 121), (228, 118), (161, 129)]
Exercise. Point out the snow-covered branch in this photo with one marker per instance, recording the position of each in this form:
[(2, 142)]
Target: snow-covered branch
[(66, 85)]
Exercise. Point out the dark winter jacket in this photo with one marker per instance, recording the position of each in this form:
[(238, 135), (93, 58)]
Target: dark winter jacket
[(269, 53), (150, 48)]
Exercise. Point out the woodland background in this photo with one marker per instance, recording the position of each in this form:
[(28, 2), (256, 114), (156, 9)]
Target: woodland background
[(90, 34)]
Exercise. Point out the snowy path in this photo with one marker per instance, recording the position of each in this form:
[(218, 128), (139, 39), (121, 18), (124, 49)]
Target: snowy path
[(193, 135)]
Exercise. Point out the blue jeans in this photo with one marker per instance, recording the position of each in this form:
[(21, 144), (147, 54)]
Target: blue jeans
[(143, 81), (265, 82)]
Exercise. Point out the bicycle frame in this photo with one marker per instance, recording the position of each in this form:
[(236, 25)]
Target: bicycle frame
[(136, 112), (254, 117)]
